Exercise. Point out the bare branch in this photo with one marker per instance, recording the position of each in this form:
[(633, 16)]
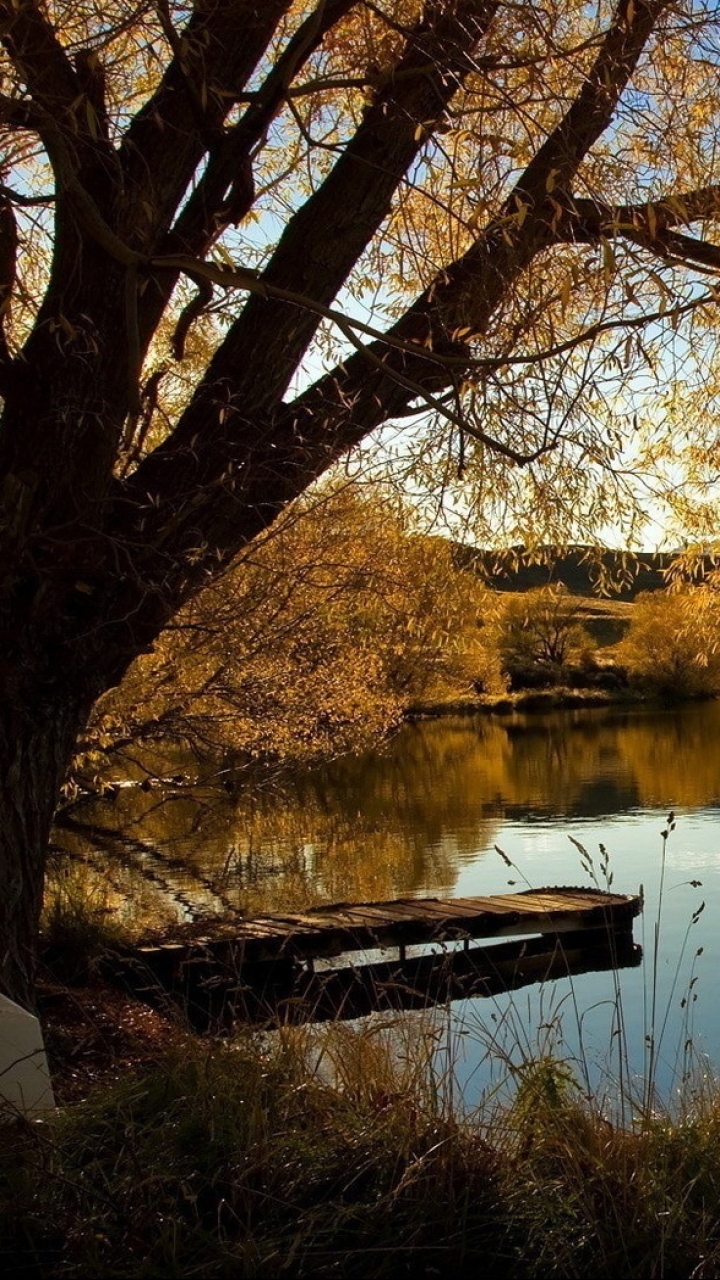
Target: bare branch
[(26, 202)]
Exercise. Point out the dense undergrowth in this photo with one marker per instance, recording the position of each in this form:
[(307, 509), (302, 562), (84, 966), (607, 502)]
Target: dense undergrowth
[(271, 1158)]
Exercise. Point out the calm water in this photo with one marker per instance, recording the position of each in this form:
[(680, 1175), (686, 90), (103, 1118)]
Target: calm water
[(424, 815)]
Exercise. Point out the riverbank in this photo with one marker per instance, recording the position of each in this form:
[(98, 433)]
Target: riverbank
[(555, 698), (343, 1156)]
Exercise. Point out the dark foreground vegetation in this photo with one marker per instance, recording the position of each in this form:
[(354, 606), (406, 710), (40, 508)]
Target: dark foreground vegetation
[(340, 1156)]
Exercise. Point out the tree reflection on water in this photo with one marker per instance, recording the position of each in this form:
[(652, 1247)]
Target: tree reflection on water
[(396, 821)]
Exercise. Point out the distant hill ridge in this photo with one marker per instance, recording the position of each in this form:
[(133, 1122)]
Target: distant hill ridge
[(583, 570)]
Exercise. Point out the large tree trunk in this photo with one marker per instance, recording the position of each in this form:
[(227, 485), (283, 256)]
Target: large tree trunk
[(36, 743)]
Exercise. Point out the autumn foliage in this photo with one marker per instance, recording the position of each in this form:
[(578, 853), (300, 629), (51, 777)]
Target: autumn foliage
[(313, 644), (672, 646)]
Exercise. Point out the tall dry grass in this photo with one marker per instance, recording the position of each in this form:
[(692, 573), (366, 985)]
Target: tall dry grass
[(347, 1151)]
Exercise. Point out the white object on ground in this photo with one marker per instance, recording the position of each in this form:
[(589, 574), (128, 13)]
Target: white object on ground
[(25, 1087)]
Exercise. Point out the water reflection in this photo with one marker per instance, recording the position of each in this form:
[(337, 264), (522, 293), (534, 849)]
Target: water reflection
[(422, 816), (408, 819)]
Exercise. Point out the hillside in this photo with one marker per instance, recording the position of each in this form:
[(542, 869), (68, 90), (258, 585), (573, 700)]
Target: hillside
[(616, 575)]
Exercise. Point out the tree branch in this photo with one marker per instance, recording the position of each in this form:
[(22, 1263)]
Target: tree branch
[(26, 202), (284, 448), (39, 58), (225, 192), (200, 220), (589, 220), (163, 147), (325, 238), (651, 225), (468, 292)]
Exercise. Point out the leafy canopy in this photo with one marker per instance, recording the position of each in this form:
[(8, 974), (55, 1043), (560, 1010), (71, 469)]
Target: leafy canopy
[(236, 241)]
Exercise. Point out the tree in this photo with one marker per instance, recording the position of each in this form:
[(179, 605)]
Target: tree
[(518, 180), (310, 645), (672, 643), (537, 633)]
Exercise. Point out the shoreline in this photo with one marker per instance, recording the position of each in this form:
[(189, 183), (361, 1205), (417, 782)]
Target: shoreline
[(557, 697)]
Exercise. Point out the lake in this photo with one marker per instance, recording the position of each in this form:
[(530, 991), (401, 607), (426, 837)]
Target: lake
[(424, 815)]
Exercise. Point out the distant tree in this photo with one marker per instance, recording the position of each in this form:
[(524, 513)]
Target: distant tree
[(537, 633), (673, 644)]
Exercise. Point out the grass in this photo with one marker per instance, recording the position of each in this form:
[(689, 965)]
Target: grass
[(345, 1151), (246, 1163), (246, 1160), (79, 924)]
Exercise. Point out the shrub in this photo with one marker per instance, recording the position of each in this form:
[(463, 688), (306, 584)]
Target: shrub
[(672, 644), (537, 635), (310, 646)]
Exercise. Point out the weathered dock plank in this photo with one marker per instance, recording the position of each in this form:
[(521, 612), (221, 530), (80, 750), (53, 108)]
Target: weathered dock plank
[(261, 969), (246, 950)]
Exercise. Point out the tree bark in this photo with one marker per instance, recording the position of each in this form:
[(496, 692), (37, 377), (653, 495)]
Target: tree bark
[(38, 730)]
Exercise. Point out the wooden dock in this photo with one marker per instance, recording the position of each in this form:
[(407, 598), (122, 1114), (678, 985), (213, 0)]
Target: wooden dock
[(262, 969)]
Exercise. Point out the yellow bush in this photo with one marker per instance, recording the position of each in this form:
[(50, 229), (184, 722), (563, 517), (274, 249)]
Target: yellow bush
[(313, 643), (673, 642)]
